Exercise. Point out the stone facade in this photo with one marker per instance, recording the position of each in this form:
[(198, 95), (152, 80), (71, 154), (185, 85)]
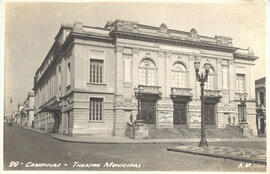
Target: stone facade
[(88, 78)]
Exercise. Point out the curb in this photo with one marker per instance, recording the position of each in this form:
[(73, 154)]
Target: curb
[(115, 142), (251, 160), (94, 141), (33, 130)]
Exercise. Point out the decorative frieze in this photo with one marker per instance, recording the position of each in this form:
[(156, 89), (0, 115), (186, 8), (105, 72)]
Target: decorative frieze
[(165, 106), (149, 89), (119, 49), (212, 93), (165, 116), (195, 117), (181, 91), (126, 104), (161, 54), (194, 107), (136, 51)]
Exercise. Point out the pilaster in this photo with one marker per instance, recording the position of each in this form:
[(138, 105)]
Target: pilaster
[(231, 80), (119, 69)]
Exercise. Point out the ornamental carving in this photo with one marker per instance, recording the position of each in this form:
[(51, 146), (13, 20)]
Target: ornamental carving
[(197, 57), (161, 54), (219, 61), (127, 56), (164, 106), (120, 49), (163, 29), (191, 58), (231, 62), (225, 62), (148, 54), (195, 107), (179, 57), (136, 51), (126, 104), (168, 54)]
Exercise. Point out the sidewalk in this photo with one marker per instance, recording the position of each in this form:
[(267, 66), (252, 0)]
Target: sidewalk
[(126, 140), (234, 153), (239, 154)]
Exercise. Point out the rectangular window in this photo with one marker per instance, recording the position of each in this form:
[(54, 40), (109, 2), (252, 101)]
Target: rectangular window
[(96, 71), (95, 109), (240, 83), (68, 74), (225, 77), (242, 113)]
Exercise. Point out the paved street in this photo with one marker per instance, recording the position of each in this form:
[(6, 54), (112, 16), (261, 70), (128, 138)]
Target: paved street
[(32, 149)]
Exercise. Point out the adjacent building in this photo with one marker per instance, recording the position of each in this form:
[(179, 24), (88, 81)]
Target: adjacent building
[(86, 84), (260, 106)]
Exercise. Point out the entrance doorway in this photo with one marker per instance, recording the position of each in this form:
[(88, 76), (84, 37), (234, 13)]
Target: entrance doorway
[(179, 113), (209, 113), (262, 125), (148, 111)]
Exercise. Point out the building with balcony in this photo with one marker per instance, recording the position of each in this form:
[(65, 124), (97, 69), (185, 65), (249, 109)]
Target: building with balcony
[(260, 106), (88, 80)]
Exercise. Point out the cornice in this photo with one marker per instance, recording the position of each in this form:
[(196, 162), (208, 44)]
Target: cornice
[(92, 36), (175, 41), (245, 57)]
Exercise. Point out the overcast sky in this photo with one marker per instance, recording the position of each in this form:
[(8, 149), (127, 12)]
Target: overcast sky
[(30, 29)]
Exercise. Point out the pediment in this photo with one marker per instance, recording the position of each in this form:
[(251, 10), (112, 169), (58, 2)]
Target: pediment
[(163, 29)]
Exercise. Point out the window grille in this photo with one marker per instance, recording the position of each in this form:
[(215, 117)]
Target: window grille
[(96, 71), (95, 109)]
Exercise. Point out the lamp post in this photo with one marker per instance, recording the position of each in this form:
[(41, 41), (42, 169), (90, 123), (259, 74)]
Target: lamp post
[(202, 78)]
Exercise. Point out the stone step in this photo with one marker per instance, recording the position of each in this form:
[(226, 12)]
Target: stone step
[(179, 132)]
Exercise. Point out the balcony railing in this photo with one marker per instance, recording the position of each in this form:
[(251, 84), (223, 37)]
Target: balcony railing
[(212, 93), (149, 89), (241, 96), (181, 91)]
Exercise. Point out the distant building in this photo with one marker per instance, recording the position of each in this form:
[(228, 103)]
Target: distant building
[(87, 82), (18, 114), (260, 106), (28, 110)]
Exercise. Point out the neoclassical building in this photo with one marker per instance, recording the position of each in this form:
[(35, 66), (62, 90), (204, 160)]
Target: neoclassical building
[(87, 81)]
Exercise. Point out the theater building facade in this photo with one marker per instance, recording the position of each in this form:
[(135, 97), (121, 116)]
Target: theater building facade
[(89, 79)]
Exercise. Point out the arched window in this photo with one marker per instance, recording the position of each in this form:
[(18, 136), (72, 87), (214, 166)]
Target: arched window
[(147, 72), (179, 72), (209, 85)]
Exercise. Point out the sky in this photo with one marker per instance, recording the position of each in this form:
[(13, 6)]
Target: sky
[(30, 28)]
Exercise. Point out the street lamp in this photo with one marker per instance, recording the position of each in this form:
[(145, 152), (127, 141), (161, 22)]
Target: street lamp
[(202, 78)]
